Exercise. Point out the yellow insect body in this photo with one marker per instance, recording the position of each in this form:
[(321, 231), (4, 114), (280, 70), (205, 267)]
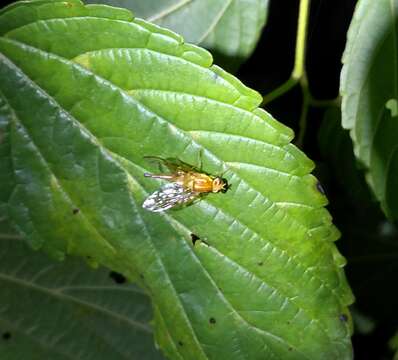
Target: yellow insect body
[(194, 181), (186, 185)]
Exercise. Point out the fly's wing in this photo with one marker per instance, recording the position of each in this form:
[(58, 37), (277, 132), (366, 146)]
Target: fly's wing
[(172, 164), (169, 196)]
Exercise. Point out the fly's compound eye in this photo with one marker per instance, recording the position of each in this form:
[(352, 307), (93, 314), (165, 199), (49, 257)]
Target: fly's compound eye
[(220, 185)]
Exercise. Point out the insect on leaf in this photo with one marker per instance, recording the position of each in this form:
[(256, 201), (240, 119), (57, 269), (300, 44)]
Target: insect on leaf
[(91, 90), (167, 197)]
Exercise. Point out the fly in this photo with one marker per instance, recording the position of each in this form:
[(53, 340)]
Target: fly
[(185, 184)]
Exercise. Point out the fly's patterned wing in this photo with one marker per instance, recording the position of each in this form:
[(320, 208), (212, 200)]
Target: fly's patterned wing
[(172, 164), (168, 196)]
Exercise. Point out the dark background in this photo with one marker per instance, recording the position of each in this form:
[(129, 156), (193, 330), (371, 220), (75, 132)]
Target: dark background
[(368, 241)]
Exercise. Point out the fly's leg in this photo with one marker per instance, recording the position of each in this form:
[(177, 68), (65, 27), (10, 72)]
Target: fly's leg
[(200, 160)]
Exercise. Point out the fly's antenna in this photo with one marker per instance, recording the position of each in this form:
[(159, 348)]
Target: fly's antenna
[(224, 172)]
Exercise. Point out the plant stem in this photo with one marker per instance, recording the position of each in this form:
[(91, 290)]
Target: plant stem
[(280, 90), (299, 60), (301, 40), (304, 111), (299, 72), (325, 103)]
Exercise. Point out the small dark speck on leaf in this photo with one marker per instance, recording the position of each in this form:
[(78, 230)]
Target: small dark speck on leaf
[(212, 320), (260, 263), (75, 211), (6, 335), (215, 76), (320, 188), (141, 276), (194, 238), (343, 318), (180, 343), (290, 349), (117, 278)]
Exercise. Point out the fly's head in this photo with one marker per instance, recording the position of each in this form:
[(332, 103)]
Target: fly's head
[(220, 185)]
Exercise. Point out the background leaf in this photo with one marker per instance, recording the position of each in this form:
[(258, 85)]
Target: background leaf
[(368, 241), (51, 310), (336, 147), (230, 29), (91, 91), (369, 84), (394, 345)]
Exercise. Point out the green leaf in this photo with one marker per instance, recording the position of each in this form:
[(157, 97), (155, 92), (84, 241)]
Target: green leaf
[(91, 91), (369, 84), (51, 310), (394, 345), (230, 29)]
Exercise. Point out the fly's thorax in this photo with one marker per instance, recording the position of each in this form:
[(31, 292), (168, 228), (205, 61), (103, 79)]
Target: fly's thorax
[(199, 182)]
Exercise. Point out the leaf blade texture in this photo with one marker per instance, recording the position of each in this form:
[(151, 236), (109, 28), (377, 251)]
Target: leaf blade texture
[(229, 29), (54, 310), (369, 97), (92, 91)]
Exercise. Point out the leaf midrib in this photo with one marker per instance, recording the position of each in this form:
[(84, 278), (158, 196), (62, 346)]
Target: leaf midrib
[(215, 22), (166, 12)]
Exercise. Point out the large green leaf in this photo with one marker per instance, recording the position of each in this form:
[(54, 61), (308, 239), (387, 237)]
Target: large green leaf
[(229, 28), (89, 91), (65, 310), (369, 84)]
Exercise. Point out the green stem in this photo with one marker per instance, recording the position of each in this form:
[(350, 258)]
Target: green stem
[(299, 61), (280, 90), (325, 103), (301, 40), (304, 111)]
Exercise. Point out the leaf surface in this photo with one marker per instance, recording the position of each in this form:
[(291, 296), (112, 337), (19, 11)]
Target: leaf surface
[(52, 310), (229, 28), (369, 84), (90, 91)]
